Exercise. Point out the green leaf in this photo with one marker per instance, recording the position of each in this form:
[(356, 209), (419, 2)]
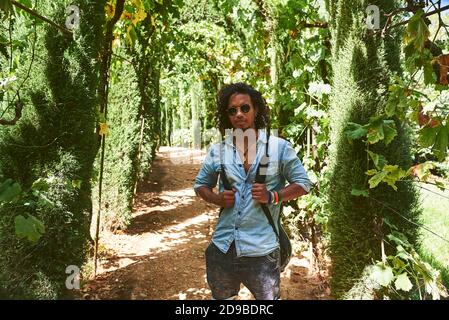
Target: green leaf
[(388, 223), (427, 136), (378, 159), (397, 100), (389, 174), (375, 134), (374, 181), (403, 282), (382, 275), (40, 185), (380, 129), (30, 228), (429, 74), (358, 192), (129, 8), (101, 116), (394, 174), (389, 131), (355, 131), (76, 184), (398, 263), (417, 31), (403, 238), (390, 108), (131, 35), (440, 185), (9, 190), (395, 239), (403, 255), (441, 143)]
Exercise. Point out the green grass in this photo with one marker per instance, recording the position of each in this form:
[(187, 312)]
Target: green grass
[(435, 216)]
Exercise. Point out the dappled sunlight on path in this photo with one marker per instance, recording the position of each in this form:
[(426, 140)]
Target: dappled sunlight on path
[(161, 254)]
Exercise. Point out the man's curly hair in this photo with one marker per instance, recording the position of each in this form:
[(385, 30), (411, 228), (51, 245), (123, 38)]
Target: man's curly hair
[(263, 113)]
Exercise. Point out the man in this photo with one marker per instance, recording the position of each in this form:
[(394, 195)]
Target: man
[(244, 248)]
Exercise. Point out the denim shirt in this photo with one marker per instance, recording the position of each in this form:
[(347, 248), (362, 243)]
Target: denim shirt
[(245, 222)]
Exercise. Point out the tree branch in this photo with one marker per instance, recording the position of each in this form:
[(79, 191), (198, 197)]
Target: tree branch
[(411, 7), (25, 79), (425, 15), (37, 15), (19, 106), (322, 25), (106, 52)]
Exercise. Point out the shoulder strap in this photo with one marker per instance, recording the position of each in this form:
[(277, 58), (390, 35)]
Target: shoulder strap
[(260, 178), (270, 218), (263, 163), (224, 179)]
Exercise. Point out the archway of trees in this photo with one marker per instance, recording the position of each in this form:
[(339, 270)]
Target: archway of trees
[(89, 90)]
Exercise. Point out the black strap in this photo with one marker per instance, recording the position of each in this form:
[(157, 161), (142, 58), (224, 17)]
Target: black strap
[(226, 184), (224, 178), (260, 178), (270, 218)]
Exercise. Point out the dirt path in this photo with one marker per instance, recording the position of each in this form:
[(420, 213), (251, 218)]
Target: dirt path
[(161, 254)]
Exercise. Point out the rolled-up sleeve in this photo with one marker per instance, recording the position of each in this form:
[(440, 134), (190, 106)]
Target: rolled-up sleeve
[(208, 174), (292, 168)]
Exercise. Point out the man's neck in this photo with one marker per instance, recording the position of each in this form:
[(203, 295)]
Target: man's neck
[(245, 138)]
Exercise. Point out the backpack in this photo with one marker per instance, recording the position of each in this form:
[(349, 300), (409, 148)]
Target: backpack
[(282, 236)]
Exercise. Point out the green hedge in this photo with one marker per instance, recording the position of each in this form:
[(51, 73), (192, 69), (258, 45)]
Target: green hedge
[(54, 140), (122, 140), (362, 65)]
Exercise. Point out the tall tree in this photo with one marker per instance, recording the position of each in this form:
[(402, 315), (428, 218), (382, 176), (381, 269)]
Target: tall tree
[(363, 63), (50, 152)]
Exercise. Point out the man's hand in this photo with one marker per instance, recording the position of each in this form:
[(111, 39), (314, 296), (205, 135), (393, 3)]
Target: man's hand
[(227, 198), (260, 193)]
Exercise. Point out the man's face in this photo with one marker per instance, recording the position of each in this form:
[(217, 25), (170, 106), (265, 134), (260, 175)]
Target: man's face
[(241, 111)]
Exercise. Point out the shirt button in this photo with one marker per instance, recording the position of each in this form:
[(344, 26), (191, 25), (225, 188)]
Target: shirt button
[(239, 212), (236, 228)]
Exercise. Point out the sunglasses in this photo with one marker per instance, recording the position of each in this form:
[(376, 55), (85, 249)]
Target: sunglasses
[(233, 110)]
